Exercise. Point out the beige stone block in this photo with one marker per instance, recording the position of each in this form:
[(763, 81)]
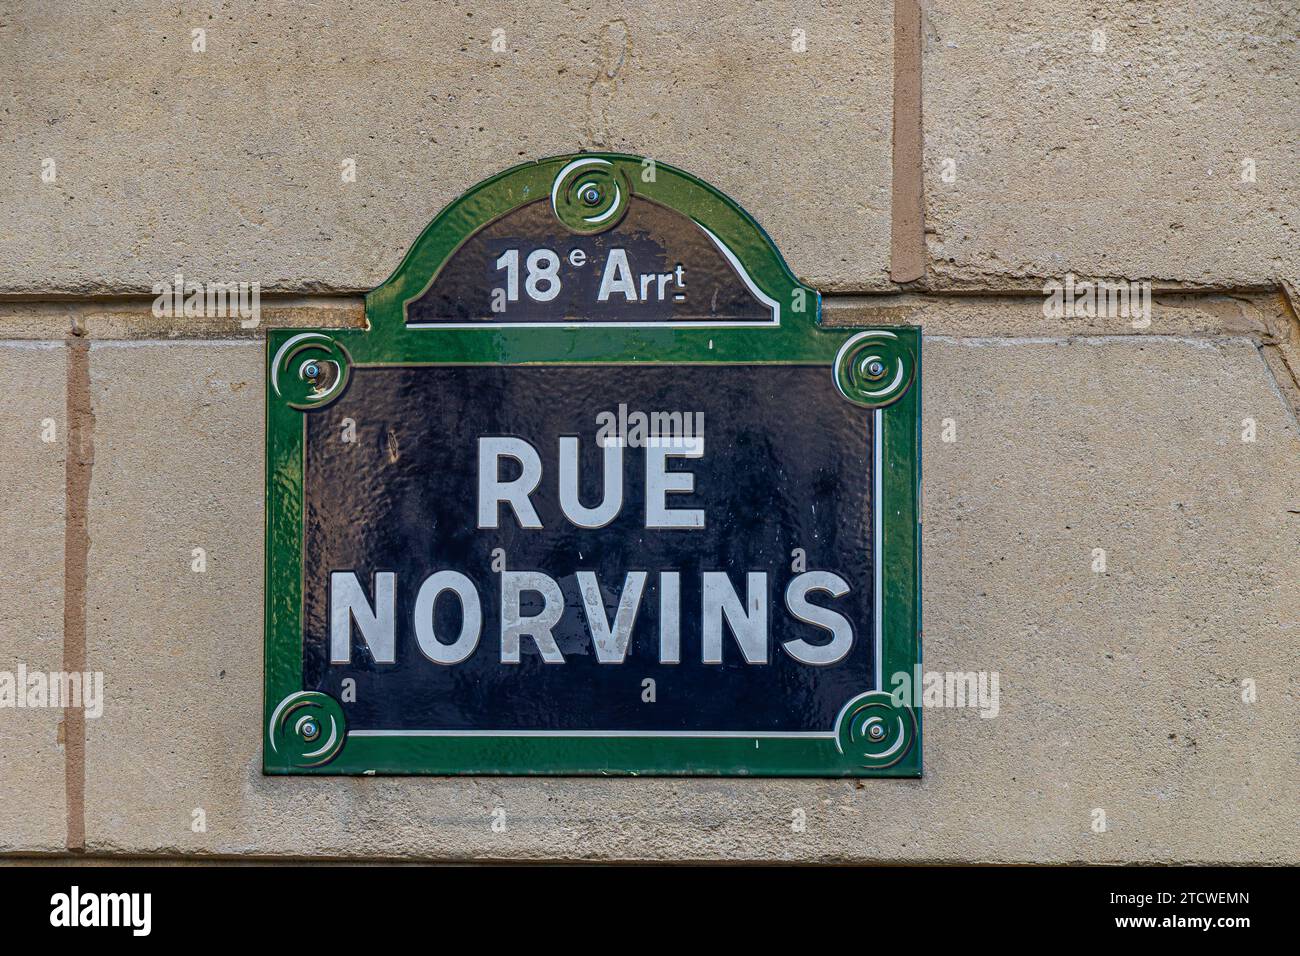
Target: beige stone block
[(226, 163), (178, 467), (31, 590), (1119, 691), (1124, 162)]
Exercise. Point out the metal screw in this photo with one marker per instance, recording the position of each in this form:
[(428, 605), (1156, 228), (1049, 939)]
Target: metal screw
[(310, 731), (876, 732), (875, 368), (311, 370), (591, 195)]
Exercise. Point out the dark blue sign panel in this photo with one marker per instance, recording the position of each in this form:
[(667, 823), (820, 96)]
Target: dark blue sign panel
[(520, 569)]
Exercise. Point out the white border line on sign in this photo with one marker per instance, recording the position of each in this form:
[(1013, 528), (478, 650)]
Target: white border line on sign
[(877, 551), (743, 734)]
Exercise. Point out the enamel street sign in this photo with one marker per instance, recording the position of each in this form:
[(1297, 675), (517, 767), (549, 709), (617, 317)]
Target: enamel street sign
[(594, 492)]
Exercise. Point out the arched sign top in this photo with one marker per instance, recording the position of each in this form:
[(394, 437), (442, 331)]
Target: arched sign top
[(593, 240)]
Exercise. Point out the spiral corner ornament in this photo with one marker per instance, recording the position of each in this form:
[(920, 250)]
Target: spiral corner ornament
[(874, 732), (874, 369), (590, 195), (310, 370), (307, 729)]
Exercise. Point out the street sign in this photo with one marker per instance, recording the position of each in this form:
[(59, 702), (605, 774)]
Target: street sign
[(594, 492)]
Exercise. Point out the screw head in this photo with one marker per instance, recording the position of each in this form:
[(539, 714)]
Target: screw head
[(875, 368), (876, 732), (311, 369), (590, 195), (310, 730)]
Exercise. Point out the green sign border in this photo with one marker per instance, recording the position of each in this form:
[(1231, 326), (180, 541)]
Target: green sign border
[(305, 731)]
